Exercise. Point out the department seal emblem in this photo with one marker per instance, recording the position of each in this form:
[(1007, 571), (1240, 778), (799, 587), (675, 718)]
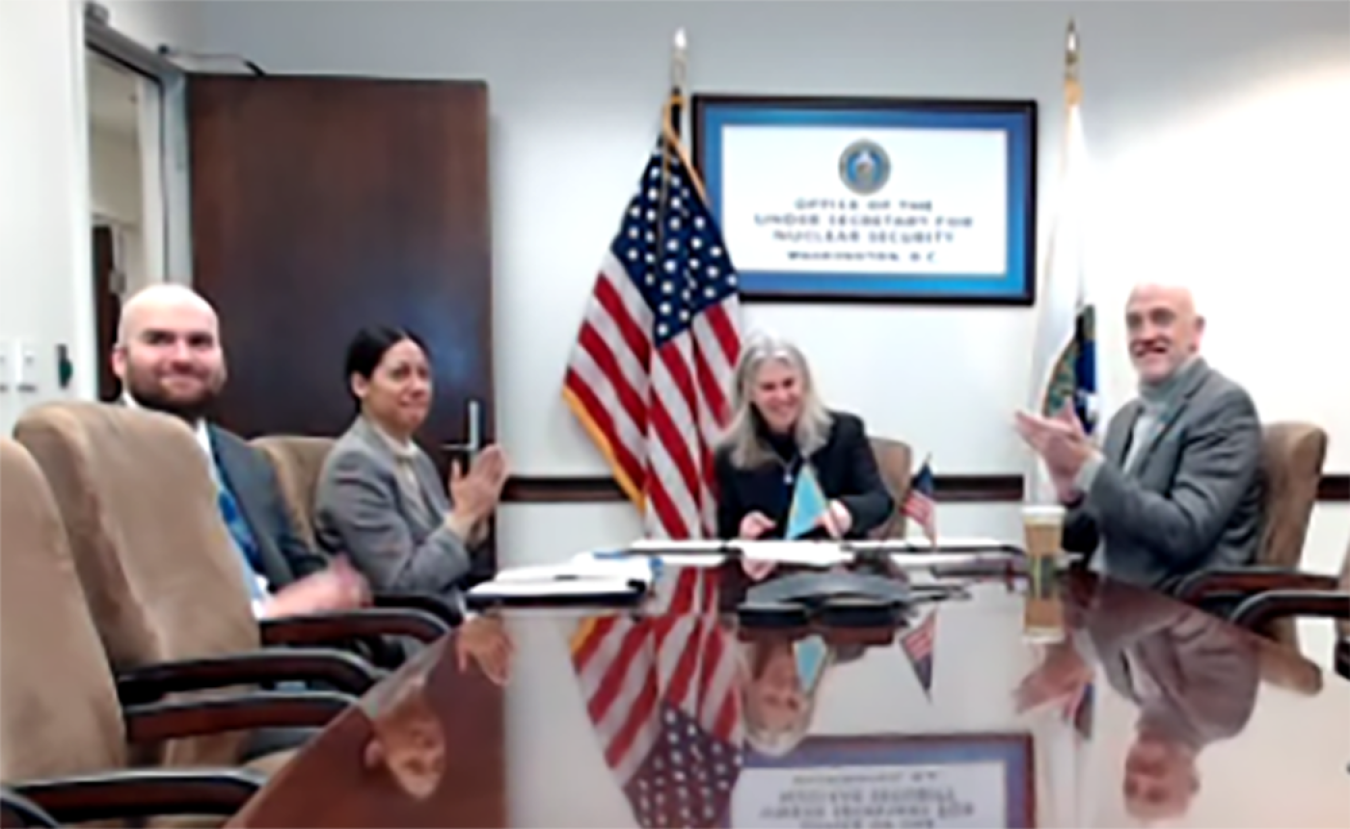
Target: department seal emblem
[(864, 167)]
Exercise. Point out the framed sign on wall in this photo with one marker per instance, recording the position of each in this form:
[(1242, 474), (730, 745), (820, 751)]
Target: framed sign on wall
[(938, 780), (826, 199)]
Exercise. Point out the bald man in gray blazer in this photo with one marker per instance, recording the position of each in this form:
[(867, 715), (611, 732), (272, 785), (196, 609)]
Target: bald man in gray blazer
[(1177, 486)]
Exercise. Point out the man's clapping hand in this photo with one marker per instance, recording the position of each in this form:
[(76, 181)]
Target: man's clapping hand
[(339, 587), (1062, 444)]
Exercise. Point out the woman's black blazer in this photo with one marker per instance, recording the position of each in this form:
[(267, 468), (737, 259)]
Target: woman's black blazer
[(845, 466)]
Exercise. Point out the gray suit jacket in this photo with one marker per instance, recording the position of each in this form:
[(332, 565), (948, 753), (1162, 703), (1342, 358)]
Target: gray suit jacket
[(1193, 499), (362, 510)]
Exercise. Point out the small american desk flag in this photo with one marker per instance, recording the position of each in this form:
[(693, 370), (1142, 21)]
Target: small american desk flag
[(919, 503), (648, 379)]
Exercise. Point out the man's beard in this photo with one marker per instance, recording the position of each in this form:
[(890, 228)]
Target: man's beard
[(150, 397)]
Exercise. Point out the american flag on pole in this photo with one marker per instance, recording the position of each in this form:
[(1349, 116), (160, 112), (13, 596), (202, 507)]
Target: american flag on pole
[(1064, 357), (917, 643), (648, 379), (919, 503)]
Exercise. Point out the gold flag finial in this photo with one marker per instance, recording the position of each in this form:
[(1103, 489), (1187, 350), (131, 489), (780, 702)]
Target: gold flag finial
[(679, 60), (1071, 56)]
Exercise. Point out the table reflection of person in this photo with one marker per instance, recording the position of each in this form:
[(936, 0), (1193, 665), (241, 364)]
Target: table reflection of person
[(1193, 677), (777, 696), (780, 679), (408, 739)]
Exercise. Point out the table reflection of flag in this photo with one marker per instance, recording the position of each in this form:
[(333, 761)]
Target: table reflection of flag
[(648, 379), (1079, 709), (661, 694), (917, 644), (687, 780)]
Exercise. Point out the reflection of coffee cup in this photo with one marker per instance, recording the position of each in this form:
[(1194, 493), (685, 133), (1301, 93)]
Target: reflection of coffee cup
[(1043, 527)]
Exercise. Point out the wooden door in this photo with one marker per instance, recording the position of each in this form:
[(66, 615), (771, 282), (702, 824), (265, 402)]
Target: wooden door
[(320, 205), (107, 309)]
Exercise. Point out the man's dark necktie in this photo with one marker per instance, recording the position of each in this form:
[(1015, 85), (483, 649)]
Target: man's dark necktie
[(243, 538)]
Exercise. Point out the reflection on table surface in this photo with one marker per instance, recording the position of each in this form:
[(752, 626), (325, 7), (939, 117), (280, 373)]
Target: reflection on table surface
[(1147, 711)]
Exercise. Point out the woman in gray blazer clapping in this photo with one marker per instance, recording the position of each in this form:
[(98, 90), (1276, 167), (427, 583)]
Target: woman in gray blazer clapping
[(380, 500)]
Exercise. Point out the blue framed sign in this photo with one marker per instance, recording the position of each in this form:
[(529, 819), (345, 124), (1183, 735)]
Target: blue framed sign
[(938, 780), (873, 199)]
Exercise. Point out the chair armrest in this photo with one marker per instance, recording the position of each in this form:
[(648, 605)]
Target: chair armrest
[(1263, 608), (344, 626), (17, 810), (138, 793), (159, 721), (425, 602), (338, 669), (1239, 582)]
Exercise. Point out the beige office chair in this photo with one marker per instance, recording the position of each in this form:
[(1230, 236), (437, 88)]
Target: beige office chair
[(297, 460), (64, 734), (162, 579), (894, 460), (1292, 455)]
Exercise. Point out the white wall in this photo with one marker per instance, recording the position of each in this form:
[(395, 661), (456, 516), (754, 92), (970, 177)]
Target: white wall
[(1223, 146), (44, 233), (155, 22), (45, 283), (1208, 122)]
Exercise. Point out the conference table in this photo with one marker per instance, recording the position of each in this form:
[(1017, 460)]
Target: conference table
[(686, 712)]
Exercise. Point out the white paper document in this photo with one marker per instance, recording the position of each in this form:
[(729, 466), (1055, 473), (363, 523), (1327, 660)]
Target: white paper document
[(808, 553), (805, 553), (687, 547), (904, 551), (583, 566), (578, 588), (945, 544)]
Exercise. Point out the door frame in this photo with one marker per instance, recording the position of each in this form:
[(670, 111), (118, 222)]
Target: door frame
[(164, 163), (109, 287)]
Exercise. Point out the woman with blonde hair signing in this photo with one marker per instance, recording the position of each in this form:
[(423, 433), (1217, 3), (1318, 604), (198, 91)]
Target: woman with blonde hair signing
[(779, 429)]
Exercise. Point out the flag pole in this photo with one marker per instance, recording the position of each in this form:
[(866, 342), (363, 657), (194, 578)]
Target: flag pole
[(1084, 332), (672, 115), (673, 111), (1073, 90), (679, 71)]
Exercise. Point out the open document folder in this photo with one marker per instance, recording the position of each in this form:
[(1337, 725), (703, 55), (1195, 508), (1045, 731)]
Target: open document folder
[(587, 579)]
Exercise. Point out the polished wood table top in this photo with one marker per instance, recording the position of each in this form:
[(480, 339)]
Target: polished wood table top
[(1141, 710)]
